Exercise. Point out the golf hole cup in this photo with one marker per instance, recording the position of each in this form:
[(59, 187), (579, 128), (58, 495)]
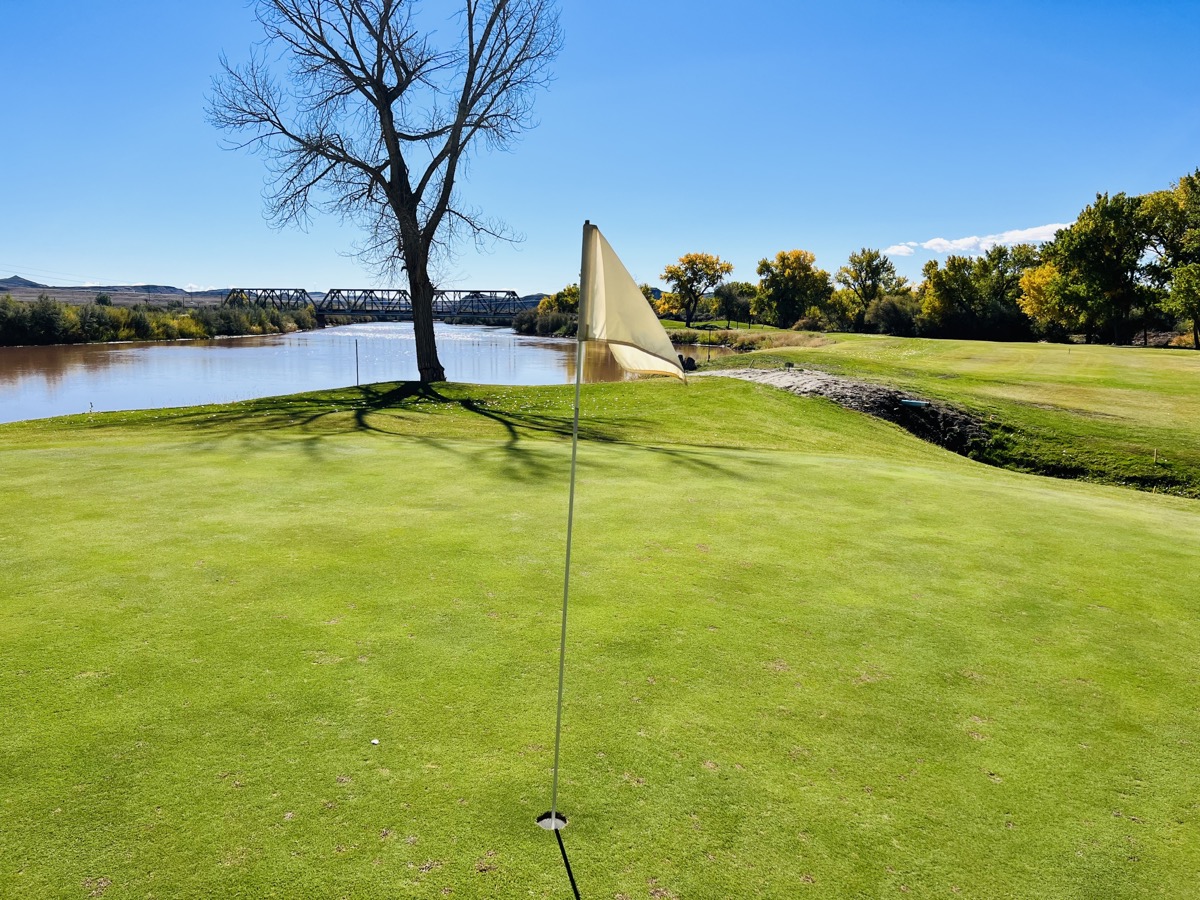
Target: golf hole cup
[(552, 821)]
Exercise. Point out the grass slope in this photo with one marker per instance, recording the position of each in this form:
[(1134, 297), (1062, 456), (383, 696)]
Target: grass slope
[(809, 655), (1092, 412)]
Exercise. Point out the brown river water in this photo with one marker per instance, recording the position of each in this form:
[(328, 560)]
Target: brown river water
[(36, 382)]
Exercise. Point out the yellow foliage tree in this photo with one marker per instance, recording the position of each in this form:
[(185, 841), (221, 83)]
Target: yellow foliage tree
[(692, 276), (565, 301), (1045, 300), (668, 305)]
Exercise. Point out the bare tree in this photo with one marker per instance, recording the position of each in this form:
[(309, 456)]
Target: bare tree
[(374, 122)]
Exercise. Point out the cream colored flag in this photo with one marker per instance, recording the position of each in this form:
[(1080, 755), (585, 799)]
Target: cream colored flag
[(612, 309)]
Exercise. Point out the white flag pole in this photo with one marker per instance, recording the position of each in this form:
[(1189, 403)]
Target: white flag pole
[(553, 821)]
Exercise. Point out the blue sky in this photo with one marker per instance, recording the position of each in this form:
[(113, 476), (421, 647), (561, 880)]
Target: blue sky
[(739, 129)]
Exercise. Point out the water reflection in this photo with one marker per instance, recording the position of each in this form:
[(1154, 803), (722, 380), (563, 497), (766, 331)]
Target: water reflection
[(48, 381)]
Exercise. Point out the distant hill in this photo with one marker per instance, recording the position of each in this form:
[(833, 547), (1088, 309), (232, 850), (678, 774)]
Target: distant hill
[(144, 291), (136, 289), (18, 282)]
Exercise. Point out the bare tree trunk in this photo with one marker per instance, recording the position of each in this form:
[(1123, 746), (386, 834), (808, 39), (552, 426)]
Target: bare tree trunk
[(1196, 334), (429, 368), (375, 118)]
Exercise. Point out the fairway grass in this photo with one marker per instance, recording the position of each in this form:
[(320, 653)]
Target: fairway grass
[(1115, 415), (809, 655)]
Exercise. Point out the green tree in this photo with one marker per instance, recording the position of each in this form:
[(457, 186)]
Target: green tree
[(143, 329), (1100, 256), (1172, 219), (894, 314), (867, 275), (789, 285), (1184, 299), (836, 313), (1172, 222), (51, 322), (1166, 225), (733, 300), (693, 276), (998, 273), (977, 297), (14, 322), (949, 298)]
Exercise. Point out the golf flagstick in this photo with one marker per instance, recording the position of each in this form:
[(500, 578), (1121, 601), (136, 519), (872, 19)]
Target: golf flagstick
[(552, 821), (613, 310)]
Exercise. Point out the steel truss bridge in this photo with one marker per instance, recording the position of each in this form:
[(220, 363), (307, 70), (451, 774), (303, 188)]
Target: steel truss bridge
[(384, 304)]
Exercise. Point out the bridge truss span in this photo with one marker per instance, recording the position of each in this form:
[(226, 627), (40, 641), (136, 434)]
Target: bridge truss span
[(476, 304), (384, 304), (365, 302), (273, 298)]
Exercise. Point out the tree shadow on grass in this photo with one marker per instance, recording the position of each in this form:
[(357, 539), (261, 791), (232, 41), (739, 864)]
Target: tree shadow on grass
[(411, 410), (377, 408)]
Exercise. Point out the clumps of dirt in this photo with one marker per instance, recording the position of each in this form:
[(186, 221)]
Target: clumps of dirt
[(937, 423)]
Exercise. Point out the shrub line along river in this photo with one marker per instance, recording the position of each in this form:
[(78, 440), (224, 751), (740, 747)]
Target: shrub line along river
[(37, 382)]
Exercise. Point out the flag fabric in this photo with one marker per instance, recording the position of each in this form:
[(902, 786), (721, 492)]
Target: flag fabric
[(613, 310)]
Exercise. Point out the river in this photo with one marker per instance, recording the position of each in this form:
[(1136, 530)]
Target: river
[(36, 382)]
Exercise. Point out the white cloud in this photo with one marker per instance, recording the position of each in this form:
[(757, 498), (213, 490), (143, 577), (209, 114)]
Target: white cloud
[(941, 245), (977, 244)]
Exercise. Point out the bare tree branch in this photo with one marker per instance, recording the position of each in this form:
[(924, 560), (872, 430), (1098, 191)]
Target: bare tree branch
[(374, 123)]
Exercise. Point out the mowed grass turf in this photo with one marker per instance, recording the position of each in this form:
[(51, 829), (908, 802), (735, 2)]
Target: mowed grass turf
[(1117, 415), (809, 655)]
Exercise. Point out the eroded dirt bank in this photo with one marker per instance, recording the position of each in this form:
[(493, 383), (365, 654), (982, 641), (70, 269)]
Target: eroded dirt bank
[(939, 424)]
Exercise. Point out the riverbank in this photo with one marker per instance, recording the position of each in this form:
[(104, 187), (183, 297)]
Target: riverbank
[(217, 611), (46, 321)]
